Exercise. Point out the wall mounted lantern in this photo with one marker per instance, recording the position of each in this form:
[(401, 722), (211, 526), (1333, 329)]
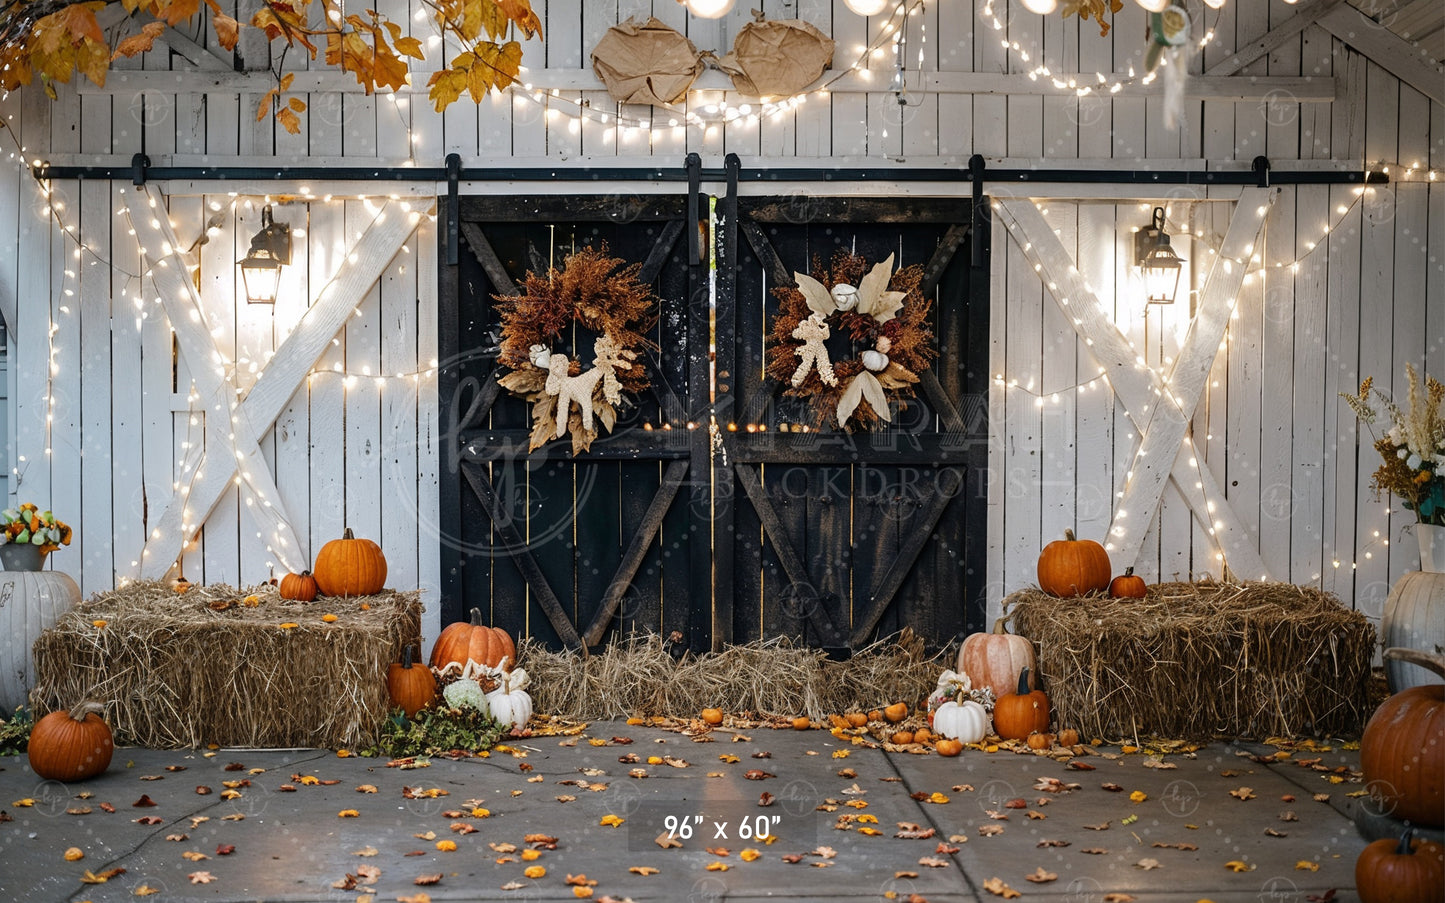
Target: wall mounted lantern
[(261, 267), (1157, 262)]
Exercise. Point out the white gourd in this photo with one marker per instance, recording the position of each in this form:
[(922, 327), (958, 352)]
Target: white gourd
[(965, 721), (510, 702)]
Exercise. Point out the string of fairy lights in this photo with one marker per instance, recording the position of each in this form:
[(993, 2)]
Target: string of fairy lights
[(708, 115)]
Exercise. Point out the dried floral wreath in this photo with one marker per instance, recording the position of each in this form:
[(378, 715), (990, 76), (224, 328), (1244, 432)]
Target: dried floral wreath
[(878, 309), (602, 295)]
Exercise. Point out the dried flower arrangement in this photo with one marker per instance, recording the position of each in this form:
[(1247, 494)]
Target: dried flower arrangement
[(1413, 448), (875, 308), (602, 295)]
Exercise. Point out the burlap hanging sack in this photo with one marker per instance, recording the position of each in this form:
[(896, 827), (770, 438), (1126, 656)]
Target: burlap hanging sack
[(778, 58), (651, 63)]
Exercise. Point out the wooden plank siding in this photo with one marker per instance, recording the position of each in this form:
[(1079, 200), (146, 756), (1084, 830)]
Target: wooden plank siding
[(1353, 286)]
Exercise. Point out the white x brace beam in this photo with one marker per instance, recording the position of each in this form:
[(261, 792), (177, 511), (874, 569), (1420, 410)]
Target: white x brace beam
[(235, 425), (1160, 409)]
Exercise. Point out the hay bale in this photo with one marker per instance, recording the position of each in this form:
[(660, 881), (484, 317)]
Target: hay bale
[(777, 677), (173, 671), (1198, 661)]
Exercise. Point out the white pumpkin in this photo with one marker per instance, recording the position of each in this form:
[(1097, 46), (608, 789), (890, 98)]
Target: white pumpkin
[(845, 296), (876, 361), (965, 721), (510, 702)]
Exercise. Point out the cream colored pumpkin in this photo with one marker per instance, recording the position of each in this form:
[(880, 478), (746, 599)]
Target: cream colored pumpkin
[(966, 721), (510, 702), (30, 603)]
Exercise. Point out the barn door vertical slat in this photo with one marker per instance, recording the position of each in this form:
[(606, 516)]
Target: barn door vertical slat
[(725, 416)]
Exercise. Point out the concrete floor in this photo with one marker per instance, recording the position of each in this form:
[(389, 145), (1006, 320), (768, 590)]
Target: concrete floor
[(293, 844)]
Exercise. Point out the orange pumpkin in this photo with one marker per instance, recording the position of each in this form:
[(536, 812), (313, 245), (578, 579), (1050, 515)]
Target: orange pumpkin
[(71, 746), (471, 640), (1018, 714), (1402, 754), (902, 738), (995, 660), (411, 687), (801, 723), (1037, 740), (710, 716), (301, 587), (1128, 585), (1068, 737), (857, 719), (1400, 871), (1073, 567), (896, 712), (947, 747), (350, 567)]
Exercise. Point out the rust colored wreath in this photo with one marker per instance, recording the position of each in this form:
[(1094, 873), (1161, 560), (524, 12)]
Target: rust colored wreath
[(884, 316), (601, 294)]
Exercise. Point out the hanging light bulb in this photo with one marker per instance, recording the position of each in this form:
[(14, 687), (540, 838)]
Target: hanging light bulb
[(1154, 6), (866, 7), (1214, 4), (709, 9), (1042, 7)]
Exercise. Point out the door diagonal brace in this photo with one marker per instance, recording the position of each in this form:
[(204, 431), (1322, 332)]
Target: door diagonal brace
[(636, 551), (522, 556)]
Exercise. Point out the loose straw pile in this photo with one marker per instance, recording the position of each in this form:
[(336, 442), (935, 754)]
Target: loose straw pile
[(173, 671), (1196, 661), (636, 676)]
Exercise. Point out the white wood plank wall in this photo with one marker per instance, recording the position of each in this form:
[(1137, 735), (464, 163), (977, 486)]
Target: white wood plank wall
[(1364, 299)]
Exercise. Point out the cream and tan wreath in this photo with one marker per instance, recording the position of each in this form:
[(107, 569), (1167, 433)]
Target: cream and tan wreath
[(880, 311), (603, 296)]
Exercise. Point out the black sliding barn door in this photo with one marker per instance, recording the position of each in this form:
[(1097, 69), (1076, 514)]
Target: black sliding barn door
[(840, 538), (572, 550), (703, 512)]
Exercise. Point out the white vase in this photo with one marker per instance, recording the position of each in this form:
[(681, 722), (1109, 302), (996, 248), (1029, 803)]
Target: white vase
[(1432, 547)]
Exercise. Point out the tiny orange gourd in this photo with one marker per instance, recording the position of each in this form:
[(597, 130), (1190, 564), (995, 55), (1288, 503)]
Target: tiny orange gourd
[(801, 723), (857, 719), (300, 587), (1068, 737), (947, 747), (875, 715), (712, 716), (1037, 740), (896, 712), (902, 738), (922, 735)]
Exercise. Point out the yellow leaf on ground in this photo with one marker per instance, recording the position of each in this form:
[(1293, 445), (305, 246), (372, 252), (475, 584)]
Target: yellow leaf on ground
[(1234, 865), (643, 870), (534, 871), (73, 854), (348, 813)]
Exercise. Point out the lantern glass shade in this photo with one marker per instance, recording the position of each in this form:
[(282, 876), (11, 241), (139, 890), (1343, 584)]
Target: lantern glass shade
[(866, 7), (261, 267), (709, 9), (1157, 262), (1042, 7)]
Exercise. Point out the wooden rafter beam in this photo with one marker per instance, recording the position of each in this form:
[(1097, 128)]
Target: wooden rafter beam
[(1199, 88), (179, 42), (1305, 16), (1387, 50)]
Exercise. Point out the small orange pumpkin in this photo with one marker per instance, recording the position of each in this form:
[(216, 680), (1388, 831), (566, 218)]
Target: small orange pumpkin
[(902, 738), (1128, 585), (857, 719), (471, 640), (1037, 740), (709, 716), (896, 712), (73, 745), (301, 587), (922, 735), (350, 567), (947, 747), (1016, 715), (801, 723), (1073, 567), (411, 687), (1400, 871), (1068, 737)]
